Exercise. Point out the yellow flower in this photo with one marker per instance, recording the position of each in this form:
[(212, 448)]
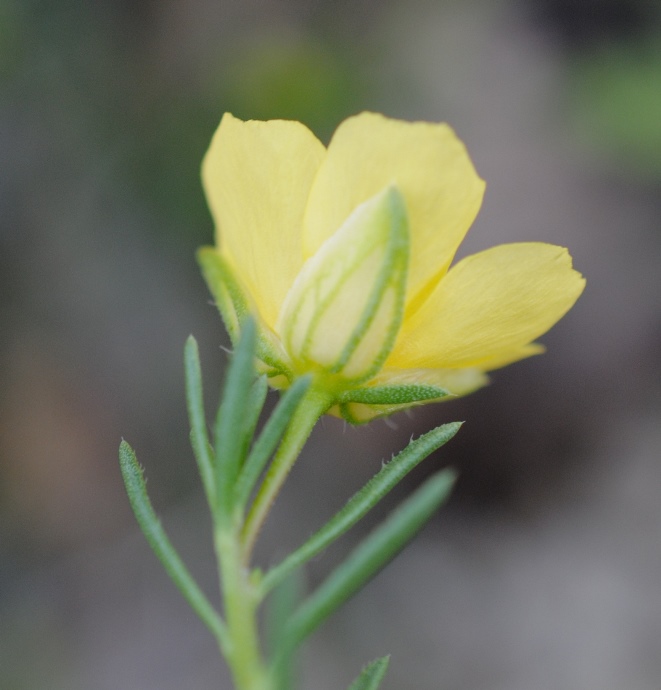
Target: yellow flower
[(343, 254)]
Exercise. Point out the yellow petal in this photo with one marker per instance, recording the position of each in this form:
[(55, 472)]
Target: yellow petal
[(430, 167), (345, 307), (257, 177), (512, 356), (489, 307)]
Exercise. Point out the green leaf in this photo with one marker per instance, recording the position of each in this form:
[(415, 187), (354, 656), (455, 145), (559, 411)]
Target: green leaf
[(162, 547), (385, 542), (254, 407), (280, 607), (372, 675), (393, 395), (269, 439), (198, 434), (229, 437), (361, 502)]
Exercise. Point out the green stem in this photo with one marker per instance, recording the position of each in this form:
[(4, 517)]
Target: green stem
[(243, 653), (234, 541), (313, 405)]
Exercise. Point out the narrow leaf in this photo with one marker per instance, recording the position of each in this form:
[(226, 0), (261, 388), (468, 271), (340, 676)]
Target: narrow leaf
[(370, 556), (269, 439), (361, 502), (254, 407), (162, 547), (198, 434), (229, 437), (280, 607), (372, 675)]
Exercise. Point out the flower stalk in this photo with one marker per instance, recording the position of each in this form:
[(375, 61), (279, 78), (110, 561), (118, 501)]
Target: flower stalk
[(314, 404)]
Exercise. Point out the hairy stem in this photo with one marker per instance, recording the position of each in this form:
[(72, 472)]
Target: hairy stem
[(243, 654), (313, 405)]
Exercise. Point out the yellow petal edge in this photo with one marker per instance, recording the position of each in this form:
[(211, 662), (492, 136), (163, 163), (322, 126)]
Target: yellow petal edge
[(257, 178)]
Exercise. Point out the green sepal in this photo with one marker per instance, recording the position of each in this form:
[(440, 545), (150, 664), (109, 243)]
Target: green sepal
[(230, 437), (155, 534), (235, 306), (362, 501), (371, 675), (362, 405), (381, 546), (229, 297), (198, 434), (405, 394)]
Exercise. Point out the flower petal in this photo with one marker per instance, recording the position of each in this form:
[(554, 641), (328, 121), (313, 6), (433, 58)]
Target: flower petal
[(257, 177), (512, 356), (430, 167), (489, 307)]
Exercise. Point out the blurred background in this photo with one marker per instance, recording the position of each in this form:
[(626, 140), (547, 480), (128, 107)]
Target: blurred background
[(543, 572)]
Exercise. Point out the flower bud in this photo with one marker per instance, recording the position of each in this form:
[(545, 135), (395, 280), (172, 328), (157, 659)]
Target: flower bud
[(344, 310)]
